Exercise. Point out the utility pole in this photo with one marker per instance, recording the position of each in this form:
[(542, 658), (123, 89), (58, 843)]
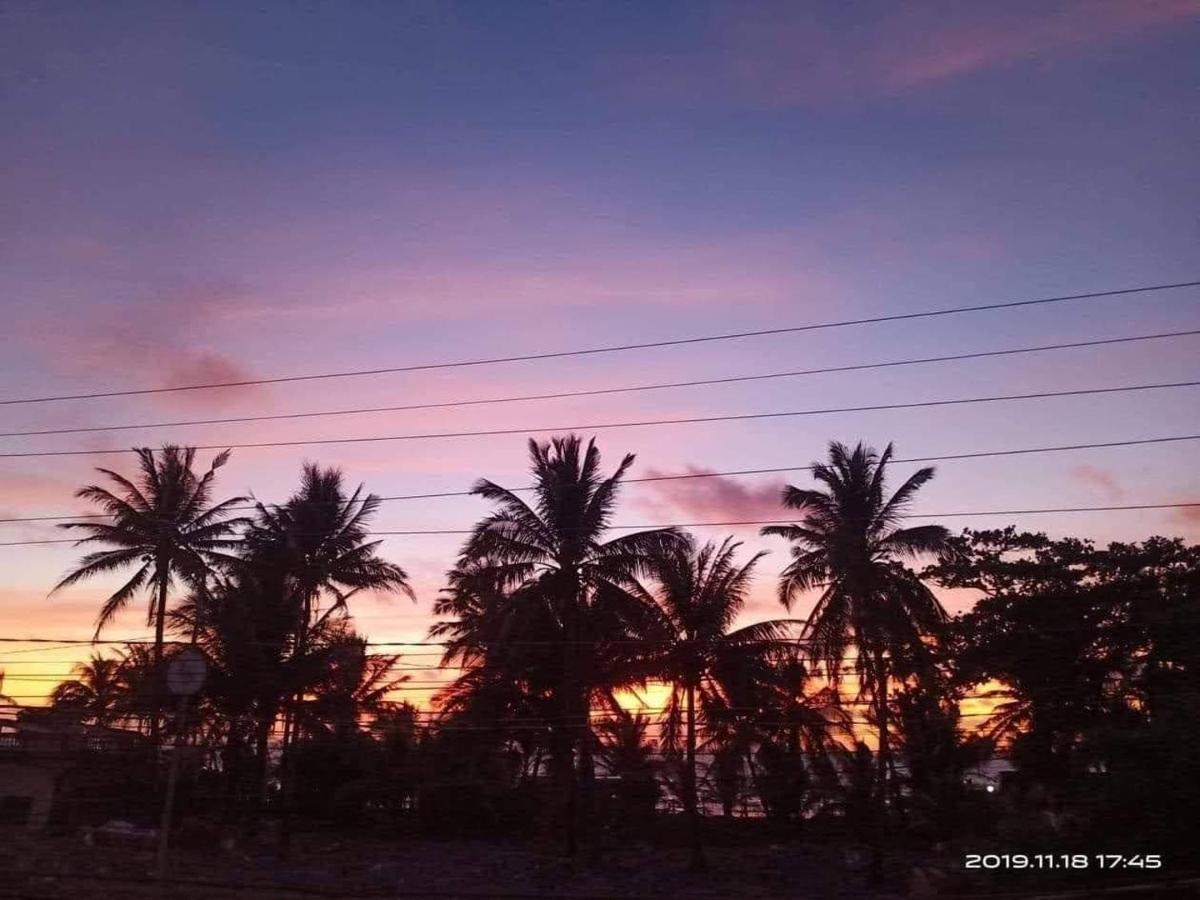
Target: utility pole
[(185, 677)]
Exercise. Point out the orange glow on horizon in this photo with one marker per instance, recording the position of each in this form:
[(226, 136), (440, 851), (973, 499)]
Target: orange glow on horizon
[(650, 700)]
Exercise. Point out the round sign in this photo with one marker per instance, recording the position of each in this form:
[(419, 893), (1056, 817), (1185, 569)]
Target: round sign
[(186, 671)]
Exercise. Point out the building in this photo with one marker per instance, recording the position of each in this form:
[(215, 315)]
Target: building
[(40, 752)]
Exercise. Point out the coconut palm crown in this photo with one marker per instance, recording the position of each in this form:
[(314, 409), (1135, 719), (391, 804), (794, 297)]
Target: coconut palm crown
[(162, 524), (853, 548)]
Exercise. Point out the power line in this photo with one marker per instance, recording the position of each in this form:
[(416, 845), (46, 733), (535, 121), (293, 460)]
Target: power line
[(615, 348), (600, 426), (729, 524), (66, 643), (944, 515), (952, 457), (598, 391)]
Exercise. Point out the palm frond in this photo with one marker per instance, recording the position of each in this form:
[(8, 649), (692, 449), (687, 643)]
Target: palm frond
[(116, 602)]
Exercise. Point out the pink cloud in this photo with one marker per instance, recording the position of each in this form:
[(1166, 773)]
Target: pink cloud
[(204, 367), (763, 268), (159, 342), (23, 491), (783, 55), (1101, 479), (1189, 515), (715, 499), (956, 48)]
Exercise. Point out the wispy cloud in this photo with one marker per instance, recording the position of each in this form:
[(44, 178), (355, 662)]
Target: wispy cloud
[(717, 498), (22, 491), (1100, 479), (1189, 515), (781, 55), (951, 46), (164, 341)]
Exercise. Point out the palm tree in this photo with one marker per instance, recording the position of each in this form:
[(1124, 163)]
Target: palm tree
[(98, 692), (317, 544), (348, 685), (852, 549), (163, 525), (789, 734), (627, 754), (546, 565), (319, 538), (508, 652), (244, 622), (701, 592)]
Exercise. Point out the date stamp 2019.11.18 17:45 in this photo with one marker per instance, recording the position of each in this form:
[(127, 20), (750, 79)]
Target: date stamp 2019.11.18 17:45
[(1109, 861)]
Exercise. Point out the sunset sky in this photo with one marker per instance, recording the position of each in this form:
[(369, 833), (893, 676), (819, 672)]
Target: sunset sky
[(200, 192)]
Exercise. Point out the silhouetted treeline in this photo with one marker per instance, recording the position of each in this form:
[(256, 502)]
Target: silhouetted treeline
[(877, 720)]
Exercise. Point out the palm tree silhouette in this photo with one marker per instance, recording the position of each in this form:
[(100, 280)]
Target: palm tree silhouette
[(770, 722), (163, 525), (627, 753), (320, 539), (700, 592), (315, 544), (549, 562), (348, 685), (510, 657), (245, 623), (853, 550), (97, 692)]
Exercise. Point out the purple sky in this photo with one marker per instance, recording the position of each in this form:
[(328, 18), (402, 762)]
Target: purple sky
[(199, 192)]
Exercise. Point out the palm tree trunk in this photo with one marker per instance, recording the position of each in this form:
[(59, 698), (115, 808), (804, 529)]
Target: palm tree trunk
[(689, 781), (233, 762), (562, 763), (159, 676), (573, 706), (585, 667), (262, 752), (288, 757), (882, 767), (587, 783)]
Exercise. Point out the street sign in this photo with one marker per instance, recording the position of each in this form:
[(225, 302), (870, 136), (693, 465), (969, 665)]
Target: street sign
[(186, 671)]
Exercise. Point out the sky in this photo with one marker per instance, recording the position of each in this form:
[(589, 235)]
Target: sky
[(212, 192)]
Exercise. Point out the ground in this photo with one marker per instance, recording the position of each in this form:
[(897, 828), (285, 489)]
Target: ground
[(62, 868)]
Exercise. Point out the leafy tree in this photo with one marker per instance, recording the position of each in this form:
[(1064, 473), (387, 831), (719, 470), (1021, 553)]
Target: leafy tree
[(938, 753), (1096, 656), (163, 525), (1043, 631)]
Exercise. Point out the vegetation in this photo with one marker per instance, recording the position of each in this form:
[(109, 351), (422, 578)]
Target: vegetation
[(1077, 669), (160, 524), (100, 692), (852, 549), (544, 594), (701, 591)]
